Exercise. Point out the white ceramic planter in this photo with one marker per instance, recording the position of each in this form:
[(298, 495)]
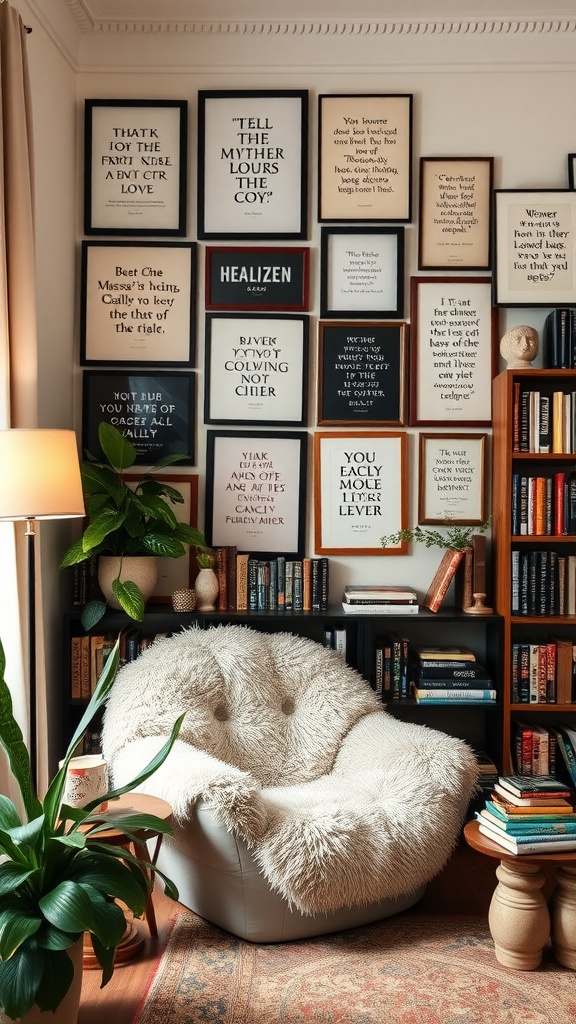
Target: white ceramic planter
[(141, 569)]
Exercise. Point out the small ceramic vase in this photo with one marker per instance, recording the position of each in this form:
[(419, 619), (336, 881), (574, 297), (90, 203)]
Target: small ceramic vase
[(206, 588)]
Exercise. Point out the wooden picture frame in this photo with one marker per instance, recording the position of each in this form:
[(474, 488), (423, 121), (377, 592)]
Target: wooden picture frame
[(453, 338), (534, 247), (138, 303), (454, 214), (264, 278), (135, 167), (452, 478), (362, 373), (362, 272), (256, 491), (252, 163), (256, 369), (156, 411), (360, 491), (176, 573), (365, 157)]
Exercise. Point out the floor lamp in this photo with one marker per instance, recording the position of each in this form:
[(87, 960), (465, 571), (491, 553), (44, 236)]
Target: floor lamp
[(40, 480)]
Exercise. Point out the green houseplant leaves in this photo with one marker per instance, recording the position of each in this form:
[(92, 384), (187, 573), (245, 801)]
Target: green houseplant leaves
[(56, 881)]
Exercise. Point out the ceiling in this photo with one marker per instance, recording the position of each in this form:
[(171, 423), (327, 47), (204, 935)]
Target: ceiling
[(93, 14)]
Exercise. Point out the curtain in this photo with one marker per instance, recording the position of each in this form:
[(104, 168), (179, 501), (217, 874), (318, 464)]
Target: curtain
[(18, 352)]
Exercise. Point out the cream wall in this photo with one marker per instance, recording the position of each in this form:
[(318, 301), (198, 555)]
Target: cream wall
[(497, 89)]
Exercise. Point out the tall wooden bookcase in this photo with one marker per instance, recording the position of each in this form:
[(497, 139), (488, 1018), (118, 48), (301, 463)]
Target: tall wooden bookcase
[(505, 463)]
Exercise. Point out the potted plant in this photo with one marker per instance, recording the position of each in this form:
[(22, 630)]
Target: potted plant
[(126, 521), (57, 883), (456, 538)]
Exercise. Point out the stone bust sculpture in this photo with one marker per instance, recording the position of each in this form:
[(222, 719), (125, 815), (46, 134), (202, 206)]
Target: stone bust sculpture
[(519, 347)]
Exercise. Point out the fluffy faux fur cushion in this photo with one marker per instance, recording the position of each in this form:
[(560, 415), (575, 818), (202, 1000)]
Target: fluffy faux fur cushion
[(341, 803)]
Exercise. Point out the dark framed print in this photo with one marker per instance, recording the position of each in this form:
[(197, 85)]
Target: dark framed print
[(454, 215), (362, 272), (155, 411), (135, 163), (452, 478), (176, 573), (256, 369), (452, 351), (534, 247), (571, 170), (256, 490), (252, 163), (365, 157), (138, 303), (362, 373), (360, 492), (257, 279)]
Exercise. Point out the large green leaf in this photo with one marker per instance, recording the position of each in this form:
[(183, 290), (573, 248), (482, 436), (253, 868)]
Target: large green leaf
[(77, 907), (9, 817), (130, 598), (92, 613), (97, 479), (119, 451), (56, 979), (17, 924), (112, 878), (164, 546), (74, 555), (19, 980), (12, 875), (106, 522), (13, 743)]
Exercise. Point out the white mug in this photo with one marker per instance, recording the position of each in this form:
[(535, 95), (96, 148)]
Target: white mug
[(86, 780)]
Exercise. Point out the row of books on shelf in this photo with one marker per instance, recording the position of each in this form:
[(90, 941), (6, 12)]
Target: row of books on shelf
[(530, 814), (543, 422), (88, 656), (543, 582), (543, 673), (430, 675), (544, 505), (559, 339)]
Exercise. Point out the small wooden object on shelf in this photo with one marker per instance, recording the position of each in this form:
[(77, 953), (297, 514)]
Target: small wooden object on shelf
[(479, 608)]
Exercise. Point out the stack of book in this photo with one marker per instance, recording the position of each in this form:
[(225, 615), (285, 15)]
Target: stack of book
[(528, 815), (380, 600), (449, 675)]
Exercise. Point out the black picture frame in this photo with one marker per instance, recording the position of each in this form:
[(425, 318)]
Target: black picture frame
[(242, 194), (263, 278), (362, 272), (256, 369), (135, 164), (275, 463), (138, 303), (362, 373), (155, 411)]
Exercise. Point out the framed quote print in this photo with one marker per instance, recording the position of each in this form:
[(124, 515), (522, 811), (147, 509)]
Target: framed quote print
[(138, 303), (452, 350), (252, 164), (362, 373), (365, 157), (452, 479), (256, 369), (360, 492), (155, 410), (362, 272), (534, 247), (176, 573), (256, 490), (454, 216), (135, 161), (239, 277)]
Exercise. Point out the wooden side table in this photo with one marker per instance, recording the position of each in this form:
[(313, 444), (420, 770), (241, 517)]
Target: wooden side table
[(136, 803), (519, 918)]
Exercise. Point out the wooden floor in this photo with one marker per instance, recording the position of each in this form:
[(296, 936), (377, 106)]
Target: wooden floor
[(464, 887)]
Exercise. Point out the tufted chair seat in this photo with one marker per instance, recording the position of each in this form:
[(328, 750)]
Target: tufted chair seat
[(301, 806)]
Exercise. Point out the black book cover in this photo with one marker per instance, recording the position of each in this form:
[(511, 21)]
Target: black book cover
[(556, 340)]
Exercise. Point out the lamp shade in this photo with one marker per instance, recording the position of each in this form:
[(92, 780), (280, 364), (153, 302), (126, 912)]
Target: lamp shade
[(40, 474)]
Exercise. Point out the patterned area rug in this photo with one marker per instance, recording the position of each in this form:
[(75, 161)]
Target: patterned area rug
[(407, 970)]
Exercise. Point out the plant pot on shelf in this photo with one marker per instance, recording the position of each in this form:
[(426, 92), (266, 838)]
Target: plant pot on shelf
[(67, 1011), (140, 569), (206, 589)]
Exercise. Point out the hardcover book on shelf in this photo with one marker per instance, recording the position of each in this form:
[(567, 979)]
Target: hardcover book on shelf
[(356, 593), (528, 826), (530, 786), (432, 654), (442, 579), (453, 695), (528, 844), (394, 608), (500, 804), (531, 801)]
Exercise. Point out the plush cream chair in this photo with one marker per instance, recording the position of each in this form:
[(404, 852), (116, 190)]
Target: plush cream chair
[(301, 806)]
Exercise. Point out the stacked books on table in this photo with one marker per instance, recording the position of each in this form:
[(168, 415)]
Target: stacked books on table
[(379, 600), (530, 815), (449, 675)]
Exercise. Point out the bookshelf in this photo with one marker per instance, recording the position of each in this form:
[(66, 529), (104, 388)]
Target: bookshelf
[(528, 563), (361, 634)]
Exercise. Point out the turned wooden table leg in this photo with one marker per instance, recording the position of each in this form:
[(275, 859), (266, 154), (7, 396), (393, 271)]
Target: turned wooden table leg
[(518, 918), (563, 908)]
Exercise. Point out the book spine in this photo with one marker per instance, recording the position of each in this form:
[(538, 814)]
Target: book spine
[(252, 584), (442, 579), (315, 584), (455, 694), (324, 583), (222, 583), (242, 582), (231, 557), (306, 584), (281, 582), (298, 586)]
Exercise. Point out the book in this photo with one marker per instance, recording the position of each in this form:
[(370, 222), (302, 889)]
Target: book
[(435, 654), (463, 589), (450, 682), (442, 579), (520, 810), (454, 693), (530, 801), (396, 608), (242, 581), (536, 845), (528, 826), (373, 594), (556, 339), (527, 785), (567, 751), (450, 672)]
